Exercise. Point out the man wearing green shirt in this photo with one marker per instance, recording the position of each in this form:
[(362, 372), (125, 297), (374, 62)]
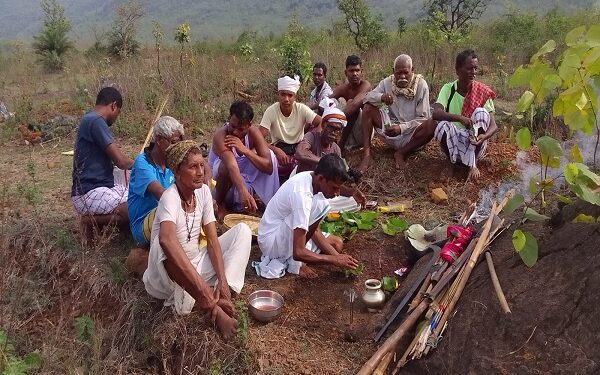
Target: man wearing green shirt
[(465, 113)]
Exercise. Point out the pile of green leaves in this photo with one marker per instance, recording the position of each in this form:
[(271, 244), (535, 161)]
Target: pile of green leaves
[(349, 223), (354, 272), (394, 225)]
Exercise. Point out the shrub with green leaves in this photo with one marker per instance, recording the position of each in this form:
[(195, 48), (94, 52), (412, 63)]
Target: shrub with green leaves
[(366, 29), (569, 78), (13, 364), (52, 43), (295, 58)]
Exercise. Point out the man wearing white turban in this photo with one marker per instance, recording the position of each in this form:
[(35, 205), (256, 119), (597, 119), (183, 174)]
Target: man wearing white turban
[(286, 121)]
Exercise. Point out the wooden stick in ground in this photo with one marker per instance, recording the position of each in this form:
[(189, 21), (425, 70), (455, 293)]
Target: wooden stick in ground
[(383, 365), (157, 115), (496, 282)]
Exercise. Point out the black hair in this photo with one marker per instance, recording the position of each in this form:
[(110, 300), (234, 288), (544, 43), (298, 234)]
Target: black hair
[(109, 95), (321, 65), (333, 168), (242, 110), (462, 57), (353, 60)]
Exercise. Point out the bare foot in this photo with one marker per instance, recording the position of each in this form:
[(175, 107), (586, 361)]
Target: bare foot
[(226, 324), (400, 159), (364, 164), (474, 174), (307, 272), (137, 261)]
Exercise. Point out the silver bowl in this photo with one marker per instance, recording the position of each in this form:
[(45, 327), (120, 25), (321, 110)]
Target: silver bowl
[(265, 305)]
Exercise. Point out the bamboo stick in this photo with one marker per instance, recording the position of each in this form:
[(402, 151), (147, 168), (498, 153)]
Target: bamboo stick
[(496, 282), (403, 360), (157, 115), (383, 365), (393, 340)]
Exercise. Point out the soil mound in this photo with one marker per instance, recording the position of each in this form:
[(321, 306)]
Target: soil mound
[(555, 314)]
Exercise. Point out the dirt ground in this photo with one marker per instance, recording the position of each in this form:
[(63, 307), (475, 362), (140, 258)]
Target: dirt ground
[(308, 337)]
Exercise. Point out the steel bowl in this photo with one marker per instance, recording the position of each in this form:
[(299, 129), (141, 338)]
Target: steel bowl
[(265, 305)]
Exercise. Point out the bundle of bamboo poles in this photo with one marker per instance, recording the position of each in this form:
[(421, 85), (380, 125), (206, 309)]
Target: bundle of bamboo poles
[(436, 301)]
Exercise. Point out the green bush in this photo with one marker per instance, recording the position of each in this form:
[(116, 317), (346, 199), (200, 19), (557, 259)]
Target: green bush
[(52, 42)]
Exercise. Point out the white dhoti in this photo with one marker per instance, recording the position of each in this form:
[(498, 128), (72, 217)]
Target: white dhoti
[(278, 248), (457, 139), (235, 246), (407, 129)]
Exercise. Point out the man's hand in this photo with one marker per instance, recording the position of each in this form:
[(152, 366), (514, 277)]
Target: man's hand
[(476, 140), (281, 156), (393, 131), (359, 197), (233, 141), (248, 201), (387, 98), (223, 296), (467, 122), (345, 261)]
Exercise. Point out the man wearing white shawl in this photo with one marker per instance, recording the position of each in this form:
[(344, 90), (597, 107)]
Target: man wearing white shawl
[(398, 109), (286, 121), (289, 234)]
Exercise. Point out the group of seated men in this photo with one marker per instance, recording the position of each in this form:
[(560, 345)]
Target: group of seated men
[(170, 206)]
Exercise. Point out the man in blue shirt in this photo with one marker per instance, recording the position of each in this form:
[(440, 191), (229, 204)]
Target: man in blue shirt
[(150, 177), (94, 193)]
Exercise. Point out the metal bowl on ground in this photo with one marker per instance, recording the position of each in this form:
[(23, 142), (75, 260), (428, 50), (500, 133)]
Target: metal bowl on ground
[(265, 305)]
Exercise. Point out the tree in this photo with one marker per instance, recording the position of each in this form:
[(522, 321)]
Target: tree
[(295, 57), (182, 36), (400, 26), (454, 17), (367, 30), (52, 42), (122, 38), (158, 38)]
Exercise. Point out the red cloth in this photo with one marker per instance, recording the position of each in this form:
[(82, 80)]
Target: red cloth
[(478, 94)]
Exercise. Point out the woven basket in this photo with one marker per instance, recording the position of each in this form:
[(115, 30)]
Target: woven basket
[(252, 221)]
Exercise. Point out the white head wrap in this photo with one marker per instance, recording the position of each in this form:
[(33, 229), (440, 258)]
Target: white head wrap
[(333, 114), (288, 84), (327, 103)]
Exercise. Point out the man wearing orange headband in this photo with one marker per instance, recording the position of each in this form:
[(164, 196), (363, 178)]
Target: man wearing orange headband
[(317, 144)]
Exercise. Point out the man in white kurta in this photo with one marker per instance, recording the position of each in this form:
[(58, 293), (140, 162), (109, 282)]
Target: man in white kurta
[(300, 204)]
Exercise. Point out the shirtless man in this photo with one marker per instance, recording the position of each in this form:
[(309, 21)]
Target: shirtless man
[(353, 92)]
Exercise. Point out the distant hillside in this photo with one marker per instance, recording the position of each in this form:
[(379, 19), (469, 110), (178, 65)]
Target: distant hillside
[(223, 19)]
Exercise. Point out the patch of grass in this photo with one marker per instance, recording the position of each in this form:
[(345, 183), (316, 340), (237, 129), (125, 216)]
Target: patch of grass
[(118, 271), (13, 364)]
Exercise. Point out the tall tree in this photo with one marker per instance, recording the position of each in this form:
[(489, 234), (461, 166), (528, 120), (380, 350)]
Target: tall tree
[(52, 43), (366, 29), (122, 39), (454, 17)]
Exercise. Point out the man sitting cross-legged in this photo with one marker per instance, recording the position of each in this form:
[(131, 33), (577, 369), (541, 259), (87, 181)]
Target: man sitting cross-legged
[(94, 193), (286, 121), (242, 163), (289, 234), (398, 110), (464, 109)]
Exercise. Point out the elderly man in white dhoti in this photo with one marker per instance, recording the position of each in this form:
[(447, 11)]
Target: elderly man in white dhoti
[(181, 269), (288, 234), (398, 109)]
